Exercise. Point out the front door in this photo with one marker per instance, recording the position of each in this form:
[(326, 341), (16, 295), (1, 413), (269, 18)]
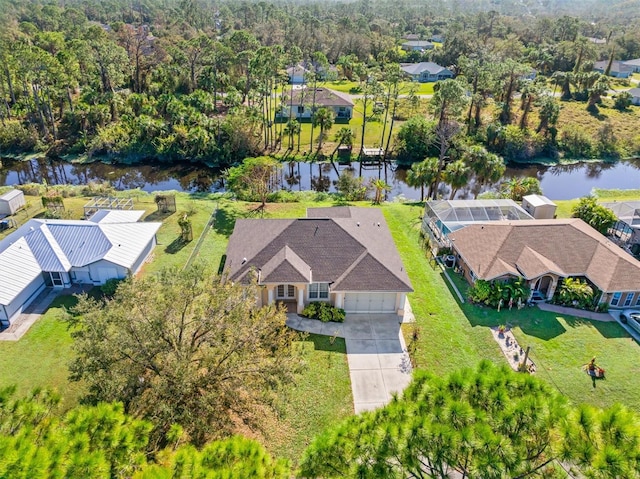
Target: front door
[(286, 292)]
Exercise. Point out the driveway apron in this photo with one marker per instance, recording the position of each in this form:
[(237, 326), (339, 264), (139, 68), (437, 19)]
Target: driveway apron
[(379, 364)]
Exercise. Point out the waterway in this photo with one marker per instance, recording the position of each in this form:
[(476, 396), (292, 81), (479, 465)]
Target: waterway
[(558, 182)]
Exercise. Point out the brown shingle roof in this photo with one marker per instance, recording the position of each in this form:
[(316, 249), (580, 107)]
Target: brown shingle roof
[(534, 247), (352, 248), (324, 97)]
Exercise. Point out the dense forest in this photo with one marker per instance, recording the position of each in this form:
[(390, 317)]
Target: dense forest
[(202, 81)]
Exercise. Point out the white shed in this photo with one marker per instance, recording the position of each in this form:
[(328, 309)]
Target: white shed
[(540, 207), (11, 202)]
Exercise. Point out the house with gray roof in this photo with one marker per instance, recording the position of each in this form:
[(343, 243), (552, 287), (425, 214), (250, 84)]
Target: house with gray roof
[(300, 105), (618, 68), (58, 253), (417, 45), (342, 255), (544, 253), (424, 72), (635, 96), (634, 64)]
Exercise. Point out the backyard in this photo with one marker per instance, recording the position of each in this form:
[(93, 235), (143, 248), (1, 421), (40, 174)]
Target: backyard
[(449, 335)]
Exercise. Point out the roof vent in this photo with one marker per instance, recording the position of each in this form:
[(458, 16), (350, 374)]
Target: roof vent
[(244, 260), (378, 225), (358, 223)]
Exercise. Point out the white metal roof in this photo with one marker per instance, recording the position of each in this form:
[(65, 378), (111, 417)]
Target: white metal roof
[(538, 200), (128, 241), (116, 216), (18, 268), (11, 195), (58, 245)]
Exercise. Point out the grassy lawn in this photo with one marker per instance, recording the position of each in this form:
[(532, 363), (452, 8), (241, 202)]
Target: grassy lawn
[(320, 399), (566, 206), (41, 357)]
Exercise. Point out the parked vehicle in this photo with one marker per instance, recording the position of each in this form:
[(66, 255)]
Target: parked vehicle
[(632, 318)]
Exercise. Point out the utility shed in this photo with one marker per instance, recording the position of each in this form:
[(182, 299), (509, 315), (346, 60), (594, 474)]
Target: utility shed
[(11, 202), (540, 207)]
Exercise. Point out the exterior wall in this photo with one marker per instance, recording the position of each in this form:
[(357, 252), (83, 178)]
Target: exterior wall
[(635, 100), (634, 295), (426, 77), (23, 300), (341, 114), (541, 212), (94, 271)]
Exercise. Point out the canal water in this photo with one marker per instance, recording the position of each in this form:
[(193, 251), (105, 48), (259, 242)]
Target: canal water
[(558, 182)]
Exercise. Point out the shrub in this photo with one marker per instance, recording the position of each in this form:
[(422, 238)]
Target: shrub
[(576, 142), (491, 293), (110, 287), (324, 312)]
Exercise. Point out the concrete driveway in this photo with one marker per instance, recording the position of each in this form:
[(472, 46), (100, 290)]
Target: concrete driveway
[(379, 364)]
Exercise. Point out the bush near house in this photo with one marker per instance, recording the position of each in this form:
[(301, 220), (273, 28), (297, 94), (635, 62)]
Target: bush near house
[(492, 293), (324, 312)]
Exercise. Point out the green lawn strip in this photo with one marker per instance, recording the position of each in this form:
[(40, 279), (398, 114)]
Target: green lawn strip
[(561, 346), (447, 340), (41, 357), (320, 399)]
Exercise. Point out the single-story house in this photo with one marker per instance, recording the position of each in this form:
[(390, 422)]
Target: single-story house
[(424, 72), (343, 255), (635, 64), (635, 96), (296, 74), (58, 253), (441, 217), (437, 38), (300, 105), (618, 69), (543, 252), (11, 202), (417, 45), (597, 41)]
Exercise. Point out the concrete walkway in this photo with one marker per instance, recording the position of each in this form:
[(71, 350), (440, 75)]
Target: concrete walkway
[(578, 313), (379, 364), (31, 314)]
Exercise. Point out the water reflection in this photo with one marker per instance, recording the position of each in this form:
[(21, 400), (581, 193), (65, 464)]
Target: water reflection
[(558, 182)]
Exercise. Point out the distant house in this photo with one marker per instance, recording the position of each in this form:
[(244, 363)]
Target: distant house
[(344, 256), (635, 64), (58, 253), (11, 202), (635, 96), (618, 69), (437, 38), (426, 72), (597, 41), (417, 45), (544, 253), (296, 74), (300, 105)]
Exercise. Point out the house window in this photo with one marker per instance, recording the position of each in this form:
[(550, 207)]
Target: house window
[(628, 299), (56, 278), (638, 300), (300, 109), (319, 291), (285, 291), (616, 299)]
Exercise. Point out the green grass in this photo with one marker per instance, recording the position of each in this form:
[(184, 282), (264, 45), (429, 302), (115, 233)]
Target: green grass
[(41, 357), (320, 399), (565, 207)]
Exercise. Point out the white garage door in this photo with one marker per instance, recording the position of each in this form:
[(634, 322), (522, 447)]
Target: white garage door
[(370, 302)]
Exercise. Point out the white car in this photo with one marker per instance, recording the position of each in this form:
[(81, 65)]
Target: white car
[(632, 318)]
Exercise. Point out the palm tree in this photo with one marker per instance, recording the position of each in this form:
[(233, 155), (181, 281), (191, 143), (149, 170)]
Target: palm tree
[(291, 129), (457, 175), (322, 118), (599, 89), (379, 187), (487, 167), (421, 174)]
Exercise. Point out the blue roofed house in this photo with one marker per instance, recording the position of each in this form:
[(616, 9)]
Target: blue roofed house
[(424, 72), (618, 68), (58, 253)]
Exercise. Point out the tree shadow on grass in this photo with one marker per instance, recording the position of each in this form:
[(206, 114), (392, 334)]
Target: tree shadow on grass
[(326, 343), (608, 329), (176, 245), (158, 216), (225, 221)]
